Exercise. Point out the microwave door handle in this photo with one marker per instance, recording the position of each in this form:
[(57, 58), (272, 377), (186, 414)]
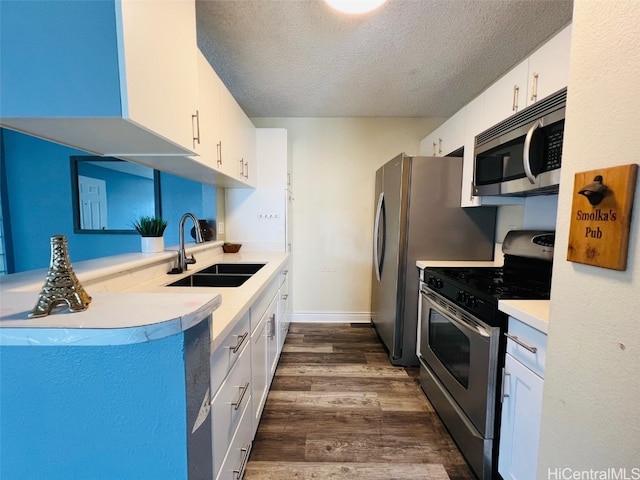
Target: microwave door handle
[(527, 149)]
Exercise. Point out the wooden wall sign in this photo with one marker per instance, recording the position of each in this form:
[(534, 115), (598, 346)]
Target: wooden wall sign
[(601, 216)]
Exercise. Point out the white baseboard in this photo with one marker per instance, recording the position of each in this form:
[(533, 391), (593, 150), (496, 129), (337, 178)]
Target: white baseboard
[(331, 317)]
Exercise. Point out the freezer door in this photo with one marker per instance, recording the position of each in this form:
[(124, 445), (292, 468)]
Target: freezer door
[(386, 278)]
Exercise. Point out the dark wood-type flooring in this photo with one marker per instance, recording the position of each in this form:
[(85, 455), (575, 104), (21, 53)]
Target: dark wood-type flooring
[(339, 410)]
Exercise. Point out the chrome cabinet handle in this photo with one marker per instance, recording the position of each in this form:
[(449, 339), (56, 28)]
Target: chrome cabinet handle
[(238, 473), (285, 296), (219, 153), (242, 167), (526, 150), (243, 390), (272, 326), (439, 146), (534, 89), (521, 343), (516, 90), (434, 149), (505, 388), (241, 340), (196, 129), (246, 164)]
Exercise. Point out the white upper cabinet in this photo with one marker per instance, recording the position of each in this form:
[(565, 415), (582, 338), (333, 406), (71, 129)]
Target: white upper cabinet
[(238, 141), (447, 138), (209, 86), (506, 96), (549, 67), (111, 78)]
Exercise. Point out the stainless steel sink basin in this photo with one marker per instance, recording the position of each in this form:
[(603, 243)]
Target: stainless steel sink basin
[(211, 280), (233, 268), (220, 275)]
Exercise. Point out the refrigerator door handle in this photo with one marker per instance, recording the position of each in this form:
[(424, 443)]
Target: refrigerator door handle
[(377, 255)]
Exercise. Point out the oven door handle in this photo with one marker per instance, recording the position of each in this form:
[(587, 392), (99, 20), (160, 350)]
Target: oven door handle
[(473, 328)]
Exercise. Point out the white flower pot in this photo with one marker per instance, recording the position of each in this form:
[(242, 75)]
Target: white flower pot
[(152, 244)]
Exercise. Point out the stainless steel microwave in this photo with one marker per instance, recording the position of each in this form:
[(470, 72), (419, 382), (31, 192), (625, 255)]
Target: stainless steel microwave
[(522, 155)]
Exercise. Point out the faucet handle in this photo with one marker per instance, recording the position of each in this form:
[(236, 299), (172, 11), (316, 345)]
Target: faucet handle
[(190, 260)]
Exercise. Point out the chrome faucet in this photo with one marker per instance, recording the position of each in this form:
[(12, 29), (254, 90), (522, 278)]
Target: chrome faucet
[(183, 260)]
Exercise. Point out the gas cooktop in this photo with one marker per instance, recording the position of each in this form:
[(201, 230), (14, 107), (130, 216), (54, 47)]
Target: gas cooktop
[(526, 275)]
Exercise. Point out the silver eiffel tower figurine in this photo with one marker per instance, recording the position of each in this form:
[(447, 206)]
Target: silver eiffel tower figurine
[(61, 285)]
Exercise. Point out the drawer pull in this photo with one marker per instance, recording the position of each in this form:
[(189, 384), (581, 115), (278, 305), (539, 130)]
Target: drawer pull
[(241, 340), (521, 343), (239, 472), (243, 390)]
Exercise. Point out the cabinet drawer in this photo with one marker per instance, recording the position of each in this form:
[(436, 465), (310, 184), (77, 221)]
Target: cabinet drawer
[(226, 355), (228, 404), (261, 305), (521, 336), (238, 454)]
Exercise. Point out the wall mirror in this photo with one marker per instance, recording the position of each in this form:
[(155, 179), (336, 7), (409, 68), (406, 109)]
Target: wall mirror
[(109, 194)]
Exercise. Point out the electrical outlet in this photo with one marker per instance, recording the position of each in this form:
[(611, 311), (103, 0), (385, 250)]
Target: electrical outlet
[(220, 228)]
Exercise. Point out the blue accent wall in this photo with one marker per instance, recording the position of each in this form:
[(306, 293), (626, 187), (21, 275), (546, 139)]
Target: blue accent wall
[(99, 413), (38, 80), (39, 204)]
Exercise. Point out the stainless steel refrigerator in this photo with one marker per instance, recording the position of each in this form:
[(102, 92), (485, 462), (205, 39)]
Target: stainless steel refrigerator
[(418, 217)]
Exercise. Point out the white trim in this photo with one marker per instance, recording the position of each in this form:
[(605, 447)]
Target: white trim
[(331, 317)]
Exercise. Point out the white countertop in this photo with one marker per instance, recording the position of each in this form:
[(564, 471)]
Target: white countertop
[(534, 313), (130, 302)]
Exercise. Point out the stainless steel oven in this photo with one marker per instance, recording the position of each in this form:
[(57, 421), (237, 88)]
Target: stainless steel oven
[(459, 356)]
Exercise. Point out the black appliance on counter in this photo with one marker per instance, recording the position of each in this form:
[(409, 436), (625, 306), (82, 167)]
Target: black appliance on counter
[(462, 344)]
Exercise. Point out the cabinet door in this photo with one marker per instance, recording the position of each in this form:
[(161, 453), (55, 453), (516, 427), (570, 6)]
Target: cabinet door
[(429, 144), (549, 67), (520, 428), (259, 384), (237, 139), (209, 86), (160, 65), (451, 135), (507, 96)]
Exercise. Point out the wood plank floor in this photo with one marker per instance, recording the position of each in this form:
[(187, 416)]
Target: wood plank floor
[(338, 409)]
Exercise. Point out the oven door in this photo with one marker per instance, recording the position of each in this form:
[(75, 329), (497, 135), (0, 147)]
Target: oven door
[(462, 354)]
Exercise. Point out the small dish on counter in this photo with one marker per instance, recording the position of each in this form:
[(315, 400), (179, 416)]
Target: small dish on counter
[(231, 247)]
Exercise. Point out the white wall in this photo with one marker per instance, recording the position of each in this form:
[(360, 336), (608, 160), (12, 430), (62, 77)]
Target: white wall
[(591, 407), (334, 165)]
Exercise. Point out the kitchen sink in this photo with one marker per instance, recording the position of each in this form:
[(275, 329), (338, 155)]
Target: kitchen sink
[(210, 280), (220, 275), (233, 268)]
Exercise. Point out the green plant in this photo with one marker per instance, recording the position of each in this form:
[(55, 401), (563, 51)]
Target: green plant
[(150, 226)]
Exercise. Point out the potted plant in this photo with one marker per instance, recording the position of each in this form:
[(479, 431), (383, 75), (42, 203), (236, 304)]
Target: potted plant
[(151, 230)]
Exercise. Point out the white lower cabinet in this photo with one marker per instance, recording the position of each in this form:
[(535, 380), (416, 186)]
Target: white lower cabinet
[(242, 367), (522, 402)]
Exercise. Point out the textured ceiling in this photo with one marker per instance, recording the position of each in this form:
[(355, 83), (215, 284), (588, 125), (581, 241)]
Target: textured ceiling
[(410, 58)]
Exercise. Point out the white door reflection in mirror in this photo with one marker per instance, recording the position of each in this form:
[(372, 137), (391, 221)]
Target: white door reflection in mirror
[(93, 203)]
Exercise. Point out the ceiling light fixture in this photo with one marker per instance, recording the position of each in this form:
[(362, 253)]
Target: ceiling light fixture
[(354, 7)]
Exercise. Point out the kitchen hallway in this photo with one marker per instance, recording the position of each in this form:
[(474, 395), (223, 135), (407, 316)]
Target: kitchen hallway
[(338, 409)]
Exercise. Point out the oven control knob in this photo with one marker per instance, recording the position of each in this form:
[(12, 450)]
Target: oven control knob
[(439, 283), (472, 302), (431, 281), (462, 296)]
